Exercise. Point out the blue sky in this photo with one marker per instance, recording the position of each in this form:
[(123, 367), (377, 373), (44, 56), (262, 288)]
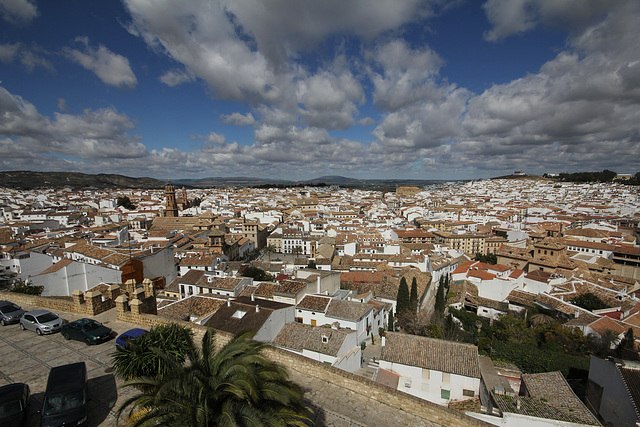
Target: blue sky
[(297, 89)]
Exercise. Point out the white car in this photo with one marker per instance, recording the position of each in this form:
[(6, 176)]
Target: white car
[(41, 322)]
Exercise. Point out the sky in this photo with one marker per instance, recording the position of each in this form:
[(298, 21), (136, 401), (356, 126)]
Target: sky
[(299, 89)]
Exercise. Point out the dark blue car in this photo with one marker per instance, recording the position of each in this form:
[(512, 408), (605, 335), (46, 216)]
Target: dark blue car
[(129, 336)]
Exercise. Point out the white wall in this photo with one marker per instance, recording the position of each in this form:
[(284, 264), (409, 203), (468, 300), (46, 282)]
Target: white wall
[(76, 275), (427, 384), (274, 324)]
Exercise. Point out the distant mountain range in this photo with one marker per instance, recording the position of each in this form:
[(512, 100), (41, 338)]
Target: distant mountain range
[(30, 180)]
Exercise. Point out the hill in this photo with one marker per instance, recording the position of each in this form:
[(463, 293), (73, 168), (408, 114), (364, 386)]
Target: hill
[(26, 180)]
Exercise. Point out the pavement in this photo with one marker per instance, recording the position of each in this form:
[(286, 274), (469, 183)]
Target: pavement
[(28, 358)]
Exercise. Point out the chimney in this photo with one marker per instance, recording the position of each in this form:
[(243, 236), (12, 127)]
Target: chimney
[(518, 403), (257, 308), (253, 297), (228, 303), (384, 341)]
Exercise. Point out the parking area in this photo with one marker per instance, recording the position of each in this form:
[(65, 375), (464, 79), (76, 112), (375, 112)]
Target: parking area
[(28, 357)]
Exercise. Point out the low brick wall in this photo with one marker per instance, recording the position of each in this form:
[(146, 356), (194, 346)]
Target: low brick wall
[(63, 304)]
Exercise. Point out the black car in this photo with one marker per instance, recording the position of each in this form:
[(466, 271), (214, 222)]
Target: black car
[(14, 399), (65, 400), (86, 330)]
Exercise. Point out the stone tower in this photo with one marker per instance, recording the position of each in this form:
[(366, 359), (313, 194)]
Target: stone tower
[(170, 197)]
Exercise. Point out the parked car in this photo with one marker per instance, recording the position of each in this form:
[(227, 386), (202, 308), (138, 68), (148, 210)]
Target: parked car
[(87, 330), (41, 322), (14, 399), (129, 336), (65, 400), (9, 313)]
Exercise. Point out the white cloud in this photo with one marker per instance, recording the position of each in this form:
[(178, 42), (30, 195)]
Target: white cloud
[(175, 78), (18, 11), (509, 17), (111, 68), (94, 134), (238, 119), (8, 52)]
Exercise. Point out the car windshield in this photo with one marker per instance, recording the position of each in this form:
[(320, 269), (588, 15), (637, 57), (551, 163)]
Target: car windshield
[(47, 317), (9, 308), (9, 409), (90, 326), (60, 403)]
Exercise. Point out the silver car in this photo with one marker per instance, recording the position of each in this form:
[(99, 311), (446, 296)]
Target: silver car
[(41, 321), (9, 313)]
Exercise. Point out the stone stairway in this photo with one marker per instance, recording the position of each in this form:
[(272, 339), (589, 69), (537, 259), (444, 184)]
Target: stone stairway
[(368, 370)]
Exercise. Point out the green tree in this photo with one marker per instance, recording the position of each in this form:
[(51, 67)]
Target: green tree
[(311, 264), (402, 299), (142, 359), (391, 326), (413, 298), (125, 202), (256, 273), (269, 249), (235, 386), (440, 301), (589, 301)]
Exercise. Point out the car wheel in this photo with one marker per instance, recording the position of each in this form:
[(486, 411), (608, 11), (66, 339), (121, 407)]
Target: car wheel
[(66, 336), (21, 326), (4, 323), (87, 341), (38, 331)]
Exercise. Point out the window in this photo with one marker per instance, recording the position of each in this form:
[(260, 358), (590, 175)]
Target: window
[(468, 393), (446, 378), (426, 374), (445, 394), (407, 382)]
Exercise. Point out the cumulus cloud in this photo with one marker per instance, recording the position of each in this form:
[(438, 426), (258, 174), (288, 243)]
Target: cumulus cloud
[(111, 68), (18, 11), (175, 78), (509, 17), (238, 119), (579, 109), (94, 134)]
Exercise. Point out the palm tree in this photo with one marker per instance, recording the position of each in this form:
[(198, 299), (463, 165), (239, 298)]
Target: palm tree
[(270, 249), (139, 359), (235, 386)]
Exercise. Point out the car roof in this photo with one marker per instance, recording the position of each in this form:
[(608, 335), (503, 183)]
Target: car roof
[(85, 321), (11, 392), (134, 333), (38, 312), (67, 377)]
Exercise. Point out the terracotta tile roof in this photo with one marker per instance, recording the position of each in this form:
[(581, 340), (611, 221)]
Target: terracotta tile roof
[(195, 305), (430, 353), (314, 303), (604, 324), (224, 283), (239, 317), (552, 388), (388, 378), (191, 277), (347, 310), (56, 267), (290, 287), (631, 378)]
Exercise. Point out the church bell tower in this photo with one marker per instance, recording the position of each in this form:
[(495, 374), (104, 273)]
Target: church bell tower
[(170, 197)]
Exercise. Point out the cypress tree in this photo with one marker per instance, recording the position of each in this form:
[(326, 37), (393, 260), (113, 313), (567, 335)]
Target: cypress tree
[(413, 299), (402, 300), (439, 305)]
